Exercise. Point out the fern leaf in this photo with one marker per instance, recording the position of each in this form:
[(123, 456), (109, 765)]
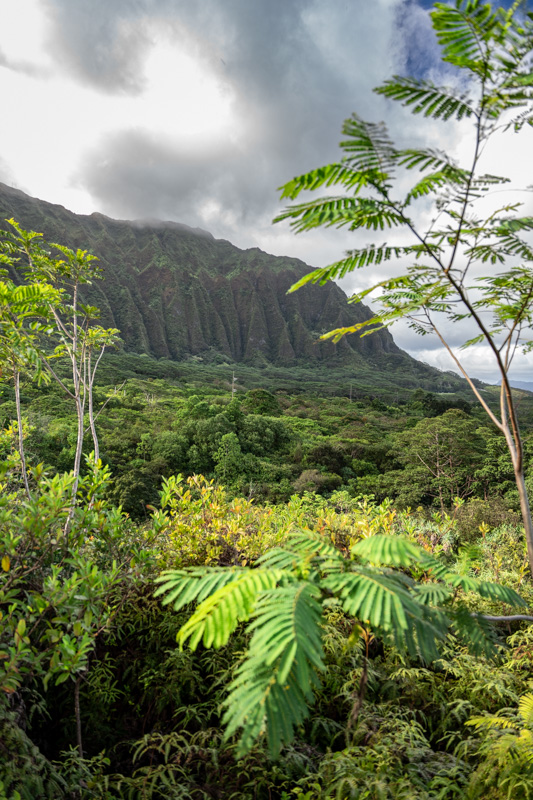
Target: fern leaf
[(373, 597), (475, 630), (273, 687), (390, 608), (525, 709), (491, 722), (386, 549), (427, 158), (186, 586), (433, 594), (495, 591), (424, 97), (218, 615), (336, 212), (465, 31), (369, 148), (355, 259), (339, 174)]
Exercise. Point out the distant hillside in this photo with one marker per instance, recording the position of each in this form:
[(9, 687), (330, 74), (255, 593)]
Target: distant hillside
[(526, 385), (176, 292)]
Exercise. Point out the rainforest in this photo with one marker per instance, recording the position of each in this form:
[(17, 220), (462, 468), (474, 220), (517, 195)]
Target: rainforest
[(250, 548)]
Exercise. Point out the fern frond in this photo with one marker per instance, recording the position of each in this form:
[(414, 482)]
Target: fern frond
[(513, 245), (504, 594), (305, 551), (465, 31), (355, 259), (427, 158), (217, 616), (525, 709), (186, 586), (273, 687), (434, 181), (491, 722), (424, 97), (474, 629), (369, 147), (390, 550), (336, 212), (433, 594), (387, 604), (339, 174)]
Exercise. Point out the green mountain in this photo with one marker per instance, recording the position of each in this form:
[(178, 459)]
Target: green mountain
[(175, 292)]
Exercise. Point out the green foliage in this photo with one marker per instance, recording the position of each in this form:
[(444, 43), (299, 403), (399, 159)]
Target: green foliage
[(444, 269), (285, 598), (508, 750)]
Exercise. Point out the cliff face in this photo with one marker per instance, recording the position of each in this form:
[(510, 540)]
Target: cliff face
[(177, 292), (174, 291)]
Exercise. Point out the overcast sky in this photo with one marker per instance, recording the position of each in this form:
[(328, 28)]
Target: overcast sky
[(197, 111)]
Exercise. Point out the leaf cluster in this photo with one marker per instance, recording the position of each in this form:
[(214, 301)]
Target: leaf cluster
[(283, 600)]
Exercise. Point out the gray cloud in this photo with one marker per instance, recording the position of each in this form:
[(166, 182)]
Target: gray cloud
[(6, 175), (22, 66), (296, 70), (99, 43)]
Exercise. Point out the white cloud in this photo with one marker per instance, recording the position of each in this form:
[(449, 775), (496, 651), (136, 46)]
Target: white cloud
[(197, 112)]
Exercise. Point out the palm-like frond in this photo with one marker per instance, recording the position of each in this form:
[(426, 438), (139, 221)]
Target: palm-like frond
[(390, 550), (389, 607), (339, 174), (283, 600), (355, 259), (525, 709), (425, 98), (273, 687), (369, 148), (427, 158), (473, 629), (225, 600), (431, 183), (337, 212), (465, 31)]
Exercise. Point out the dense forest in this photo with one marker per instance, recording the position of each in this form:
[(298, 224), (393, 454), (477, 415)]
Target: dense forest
[(263, 577), (197, 470)]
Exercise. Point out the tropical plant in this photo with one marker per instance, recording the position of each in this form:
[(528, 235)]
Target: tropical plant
[(54, 309), (466, 265), (24, 318), (508, 746), (285, 599)]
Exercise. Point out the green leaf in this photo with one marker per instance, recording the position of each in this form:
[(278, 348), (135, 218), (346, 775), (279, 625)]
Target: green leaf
[(386, 549), (273, 687), (218, 615), (337, 212), (424, 97), (464, 32)]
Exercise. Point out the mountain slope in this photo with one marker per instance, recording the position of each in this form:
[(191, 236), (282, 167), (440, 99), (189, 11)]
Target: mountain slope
[(177, 292)]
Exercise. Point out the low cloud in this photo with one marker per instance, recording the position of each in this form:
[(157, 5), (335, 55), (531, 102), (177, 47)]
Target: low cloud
[(197, 112)]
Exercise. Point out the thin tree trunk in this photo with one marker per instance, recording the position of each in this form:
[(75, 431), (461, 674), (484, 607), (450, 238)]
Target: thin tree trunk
[(90, 383), (526, 514), (80, 412), (16, 376)]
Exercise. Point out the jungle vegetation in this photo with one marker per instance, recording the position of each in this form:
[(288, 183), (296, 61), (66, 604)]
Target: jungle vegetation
[(218, 590)]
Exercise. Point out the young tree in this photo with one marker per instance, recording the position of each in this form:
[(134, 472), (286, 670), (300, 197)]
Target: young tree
[(467, 265), (24, 319), (60, 316), (285, 600)]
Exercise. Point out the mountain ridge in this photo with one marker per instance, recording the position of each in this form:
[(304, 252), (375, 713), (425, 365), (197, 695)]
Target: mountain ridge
[(177, 292)]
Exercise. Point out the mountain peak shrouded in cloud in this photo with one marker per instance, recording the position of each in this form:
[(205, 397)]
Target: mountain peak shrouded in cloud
[(197, 112), (210, 106), (177, 292)]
